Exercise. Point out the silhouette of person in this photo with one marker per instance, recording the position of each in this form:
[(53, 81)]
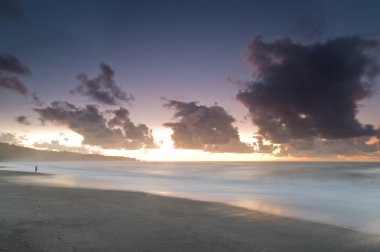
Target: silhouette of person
[(35, 170)]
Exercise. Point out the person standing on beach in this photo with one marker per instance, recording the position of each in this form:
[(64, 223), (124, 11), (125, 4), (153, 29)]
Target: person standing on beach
[(35, 170)]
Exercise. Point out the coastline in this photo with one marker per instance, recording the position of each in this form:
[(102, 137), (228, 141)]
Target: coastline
[(37, 218)]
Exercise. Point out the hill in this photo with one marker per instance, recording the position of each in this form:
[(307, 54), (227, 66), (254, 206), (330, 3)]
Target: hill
[(10, 152)]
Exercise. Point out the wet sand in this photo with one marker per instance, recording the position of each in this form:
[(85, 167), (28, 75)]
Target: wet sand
[(37, 218)]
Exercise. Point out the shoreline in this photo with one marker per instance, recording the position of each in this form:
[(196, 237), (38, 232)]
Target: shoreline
[(38, 218)]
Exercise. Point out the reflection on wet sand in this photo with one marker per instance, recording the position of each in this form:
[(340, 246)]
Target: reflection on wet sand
[(262, 207), (343, 194), (76, 182), (51, 180)]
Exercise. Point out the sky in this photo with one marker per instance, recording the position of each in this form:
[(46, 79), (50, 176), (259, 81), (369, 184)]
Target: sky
[(192, 80)]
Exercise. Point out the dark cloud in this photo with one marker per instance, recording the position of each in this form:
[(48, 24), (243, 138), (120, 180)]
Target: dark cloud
[(23, 120), (305, 91), (132, 131), (11, 65), (263, 147), (37, 100), (103, 88), (365, 146), (207, 128), (314, 147), (232, 146), (14, 84), (96, 129)]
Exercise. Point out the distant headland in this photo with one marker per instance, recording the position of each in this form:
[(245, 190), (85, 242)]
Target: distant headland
[(10, 152)]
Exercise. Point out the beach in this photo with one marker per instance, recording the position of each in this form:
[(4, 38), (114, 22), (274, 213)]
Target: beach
[(41, 218)]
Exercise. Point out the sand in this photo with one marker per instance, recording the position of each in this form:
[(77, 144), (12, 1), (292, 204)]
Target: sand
[(36, 218)]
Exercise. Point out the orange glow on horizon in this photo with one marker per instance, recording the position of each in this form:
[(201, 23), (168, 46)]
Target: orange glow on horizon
[(166, 151)]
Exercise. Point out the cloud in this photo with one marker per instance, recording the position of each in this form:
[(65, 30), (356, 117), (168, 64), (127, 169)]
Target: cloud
[(36, 100), (10, 138), (14, 84), (116, 133), (365, 146), (207, 128), (103, 88), (23, 120), (11, 65), (262, 147), (134, 132), (54, 145), (357, 146), (306, 91)]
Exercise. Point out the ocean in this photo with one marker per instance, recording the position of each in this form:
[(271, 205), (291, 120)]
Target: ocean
[(339, 193)]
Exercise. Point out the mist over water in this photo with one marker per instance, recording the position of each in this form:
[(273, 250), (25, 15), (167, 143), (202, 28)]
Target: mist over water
[(343, 194)]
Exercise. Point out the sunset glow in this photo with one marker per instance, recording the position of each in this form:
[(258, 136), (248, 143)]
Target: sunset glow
[(190, 125), (203, 91)]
